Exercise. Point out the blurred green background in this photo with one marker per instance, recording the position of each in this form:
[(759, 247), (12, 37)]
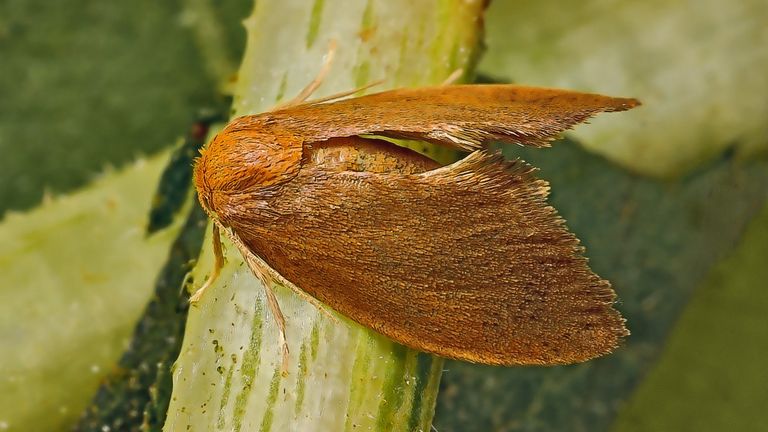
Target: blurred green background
[(669, 199)]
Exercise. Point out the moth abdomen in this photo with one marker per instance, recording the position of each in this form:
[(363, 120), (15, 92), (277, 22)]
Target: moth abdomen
[(365, 155)]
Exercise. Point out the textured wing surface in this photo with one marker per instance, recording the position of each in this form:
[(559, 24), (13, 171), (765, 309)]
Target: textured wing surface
[(462, 116), (466, 261)]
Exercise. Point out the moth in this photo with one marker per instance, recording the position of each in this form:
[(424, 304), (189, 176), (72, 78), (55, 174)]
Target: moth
[(465, 261)]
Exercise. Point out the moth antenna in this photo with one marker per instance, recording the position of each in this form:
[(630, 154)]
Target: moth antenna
[(345, 93), (315, 83), (454, 77), (217, 265)]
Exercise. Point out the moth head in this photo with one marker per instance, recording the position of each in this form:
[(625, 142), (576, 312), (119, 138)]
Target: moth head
[(245, 158), (204, 190), (213, 175)]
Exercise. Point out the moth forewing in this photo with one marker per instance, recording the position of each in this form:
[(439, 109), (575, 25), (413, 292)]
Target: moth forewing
[(466, 261)]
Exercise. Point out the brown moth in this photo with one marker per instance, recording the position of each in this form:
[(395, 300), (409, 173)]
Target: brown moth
[(466, 261)]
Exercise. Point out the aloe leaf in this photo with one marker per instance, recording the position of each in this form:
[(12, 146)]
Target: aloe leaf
[(697, 69), (341, 376), (710, 378), (102, 83), (77, 272)]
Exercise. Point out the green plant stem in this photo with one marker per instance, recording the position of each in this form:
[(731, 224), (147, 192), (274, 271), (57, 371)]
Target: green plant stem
[(341, 376)]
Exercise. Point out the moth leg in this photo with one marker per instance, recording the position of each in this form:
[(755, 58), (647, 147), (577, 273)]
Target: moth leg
[(265, 273), (260, 270), (306, 297), (312, 86), (217, 265), (274, 307), (268, 276)]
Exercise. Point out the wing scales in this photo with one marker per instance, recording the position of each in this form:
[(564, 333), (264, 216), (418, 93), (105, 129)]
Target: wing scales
[(465, 261)]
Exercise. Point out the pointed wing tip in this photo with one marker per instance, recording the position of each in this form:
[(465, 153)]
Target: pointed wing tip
[(624, 104), (613, 339)]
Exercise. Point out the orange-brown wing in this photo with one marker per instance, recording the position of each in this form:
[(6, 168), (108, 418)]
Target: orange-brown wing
[(462, 116), (465, 261)]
